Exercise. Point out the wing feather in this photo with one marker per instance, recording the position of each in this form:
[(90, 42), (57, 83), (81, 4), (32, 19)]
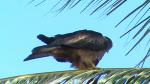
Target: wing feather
[(81, 39)]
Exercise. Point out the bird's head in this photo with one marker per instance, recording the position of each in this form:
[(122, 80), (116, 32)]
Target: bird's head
[(108, 43)]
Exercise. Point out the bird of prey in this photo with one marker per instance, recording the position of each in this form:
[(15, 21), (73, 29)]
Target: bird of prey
[(83, 48)]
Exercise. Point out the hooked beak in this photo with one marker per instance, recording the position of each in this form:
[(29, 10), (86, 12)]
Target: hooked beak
[(107, 51)]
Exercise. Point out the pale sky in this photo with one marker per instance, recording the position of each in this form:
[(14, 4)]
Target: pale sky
[(21, 22)]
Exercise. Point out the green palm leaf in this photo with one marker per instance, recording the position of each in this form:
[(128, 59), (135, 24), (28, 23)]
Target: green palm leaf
[(145, 27), (99, 76), (94, 5)]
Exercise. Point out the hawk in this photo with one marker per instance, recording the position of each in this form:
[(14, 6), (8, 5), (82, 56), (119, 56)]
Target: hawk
[(83, 48)]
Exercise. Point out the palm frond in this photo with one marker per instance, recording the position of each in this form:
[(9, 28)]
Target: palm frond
[(143, 60), (99, 76), (94, 5), (145, 27), (145, 34), (142, 6)]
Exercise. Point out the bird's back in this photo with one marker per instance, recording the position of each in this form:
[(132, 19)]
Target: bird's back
[(85, 39)]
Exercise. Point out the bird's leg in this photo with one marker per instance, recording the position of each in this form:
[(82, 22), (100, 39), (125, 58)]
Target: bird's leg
[(84, 65), (93, 66)]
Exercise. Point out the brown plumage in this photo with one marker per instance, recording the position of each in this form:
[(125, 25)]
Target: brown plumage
[(84, 48)]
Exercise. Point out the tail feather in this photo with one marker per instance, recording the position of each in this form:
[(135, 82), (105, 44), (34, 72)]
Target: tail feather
[(35, 56), (43, 48), (39, 52), (45, 39)]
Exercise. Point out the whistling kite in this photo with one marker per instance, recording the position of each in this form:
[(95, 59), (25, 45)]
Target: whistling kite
[(84, 48)]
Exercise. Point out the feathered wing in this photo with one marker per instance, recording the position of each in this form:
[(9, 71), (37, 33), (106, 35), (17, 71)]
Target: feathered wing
[(85, 41), (45, 39), (39, 52), (60, 53)]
